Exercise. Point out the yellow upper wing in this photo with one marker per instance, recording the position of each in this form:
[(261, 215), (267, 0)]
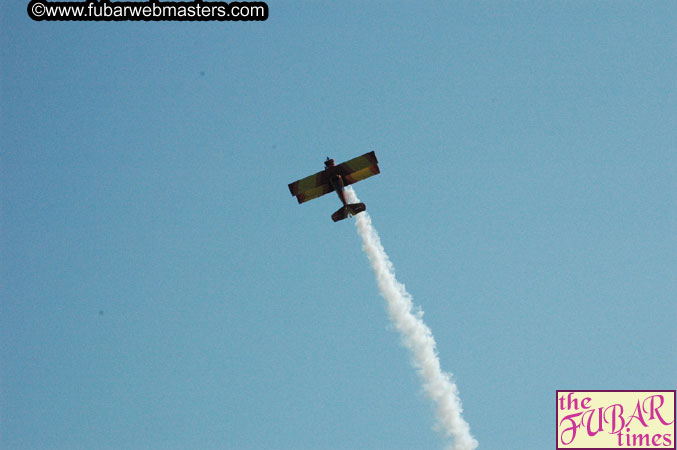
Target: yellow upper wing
[(357, 169), (352, 171), (310, 187)]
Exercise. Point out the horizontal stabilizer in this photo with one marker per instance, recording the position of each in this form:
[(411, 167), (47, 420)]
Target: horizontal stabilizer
[(350, 210), (356, 208), (341, 214)]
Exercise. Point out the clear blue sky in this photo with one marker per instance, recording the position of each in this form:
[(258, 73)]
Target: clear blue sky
[(160, 288)]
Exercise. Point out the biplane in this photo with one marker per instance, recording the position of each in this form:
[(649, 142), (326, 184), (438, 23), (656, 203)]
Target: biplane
[(335, 178)]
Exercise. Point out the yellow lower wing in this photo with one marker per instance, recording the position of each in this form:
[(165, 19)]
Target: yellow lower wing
[(312, 193), (361, 174)]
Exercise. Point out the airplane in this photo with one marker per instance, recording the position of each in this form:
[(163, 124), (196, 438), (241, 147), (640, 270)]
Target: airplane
[(335, 178)]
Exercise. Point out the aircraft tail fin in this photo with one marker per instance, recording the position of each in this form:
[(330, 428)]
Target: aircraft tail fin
[(351, 209)]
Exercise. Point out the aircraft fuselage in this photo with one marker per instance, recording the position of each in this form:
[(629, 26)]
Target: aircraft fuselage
[(338, 185)]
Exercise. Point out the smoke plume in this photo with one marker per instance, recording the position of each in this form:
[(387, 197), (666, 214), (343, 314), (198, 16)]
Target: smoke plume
[(416, 336)]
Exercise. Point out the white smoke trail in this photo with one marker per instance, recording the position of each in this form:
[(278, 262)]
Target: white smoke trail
[(416, 336)]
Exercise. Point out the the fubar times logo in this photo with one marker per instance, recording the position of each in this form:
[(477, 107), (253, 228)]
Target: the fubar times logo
[(610, 420)]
